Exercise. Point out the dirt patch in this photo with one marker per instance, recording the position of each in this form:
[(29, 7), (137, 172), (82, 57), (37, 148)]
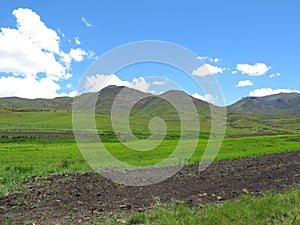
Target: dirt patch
[(80, 198), (257, 134), (294, 140), (36, 134), (44, 134)]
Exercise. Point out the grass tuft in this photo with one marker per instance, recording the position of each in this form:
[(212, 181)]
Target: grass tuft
[(271, 208)]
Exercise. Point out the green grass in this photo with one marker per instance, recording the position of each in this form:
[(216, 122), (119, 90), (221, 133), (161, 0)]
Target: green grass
[(247, 124), (22, 157), (44, 156), (36, 121), (62, 121), (233, 148), (271, 208), (45, 121)]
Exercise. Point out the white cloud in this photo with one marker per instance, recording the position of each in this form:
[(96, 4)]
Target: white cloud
[(268, 91), (77, 41), (207, 97), (70, 94), (198, 96), (158, 83), (211, 98), (19, 54), (257, 69), (216, 60), (91, 54), (140, 84), (244, 83), (99, 81), (32, 59), (202, 57), (233, 71), (84, 20), (66, 59), (30, 25), (77, 54), (28, 87), (274, 75), (211, 60), (61, 33), (207, 69)]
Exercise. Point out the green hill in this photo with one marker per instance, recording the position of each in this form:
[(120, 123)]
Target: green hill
[(160, 106), (32, 105), (149, 105), (279, 105)]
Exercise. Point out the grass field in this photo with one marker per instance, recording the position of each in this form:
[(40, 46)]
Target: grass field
[(22, 157), (62, 121), (271, 208)]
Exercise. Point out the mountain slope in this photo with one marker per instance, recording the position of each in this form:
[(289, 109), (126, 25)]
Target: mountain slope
[(162, 105), (23, 104), (149, 105), (283, 105)]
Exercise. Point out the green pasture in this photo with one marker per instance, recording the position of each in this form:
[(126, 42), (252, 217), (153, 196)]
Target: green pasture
[(24, 157), (271, 208), (62, 121)]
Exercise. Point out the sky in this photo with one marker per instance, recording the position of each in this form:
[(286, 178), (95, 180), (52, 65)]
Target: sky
[(251, 48)]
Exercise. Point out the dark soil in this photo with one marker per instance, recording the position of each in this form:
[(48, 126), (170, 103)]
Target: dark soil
[(36, 134), (257, 134), (80, 198), (71, 134), (295, 140)]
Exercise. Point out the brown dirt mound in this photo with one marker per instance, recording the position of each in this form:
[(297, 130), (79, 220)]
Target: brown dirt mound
[(80, 198), (36, 134), (257, 134)]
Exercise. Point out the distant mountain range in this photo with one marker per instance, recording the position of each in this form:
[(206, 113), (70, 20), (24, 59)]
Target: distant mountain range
[(150, 105), (283, 104), (39, 104)]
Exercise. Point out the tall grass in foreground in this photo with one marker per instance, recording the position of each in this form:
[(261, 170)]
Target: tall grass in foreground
[(271, 208), (24, 157)]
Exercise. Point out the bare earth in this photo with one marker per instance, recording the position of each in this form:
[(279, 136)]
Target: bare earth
[(80, 198)]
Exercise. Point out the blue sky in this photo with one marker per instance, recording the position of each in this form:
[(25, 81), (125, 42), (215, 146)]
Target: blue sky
[(250, 47)]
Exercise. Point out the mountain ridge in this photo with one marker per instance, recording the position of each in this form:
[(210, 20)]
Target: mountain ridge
[(148, 105), (282, 104)]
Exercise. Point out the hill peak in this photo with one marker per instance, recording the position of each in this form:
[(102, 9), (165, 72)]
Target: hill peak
[(282, 104)]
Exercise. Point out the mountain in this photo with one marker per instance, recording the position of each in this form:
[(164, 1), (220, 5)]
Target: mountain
[(282, 105), (162, 105), (146, 104), (40, 104), (279, 105), (149, 105), (106, 97)]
